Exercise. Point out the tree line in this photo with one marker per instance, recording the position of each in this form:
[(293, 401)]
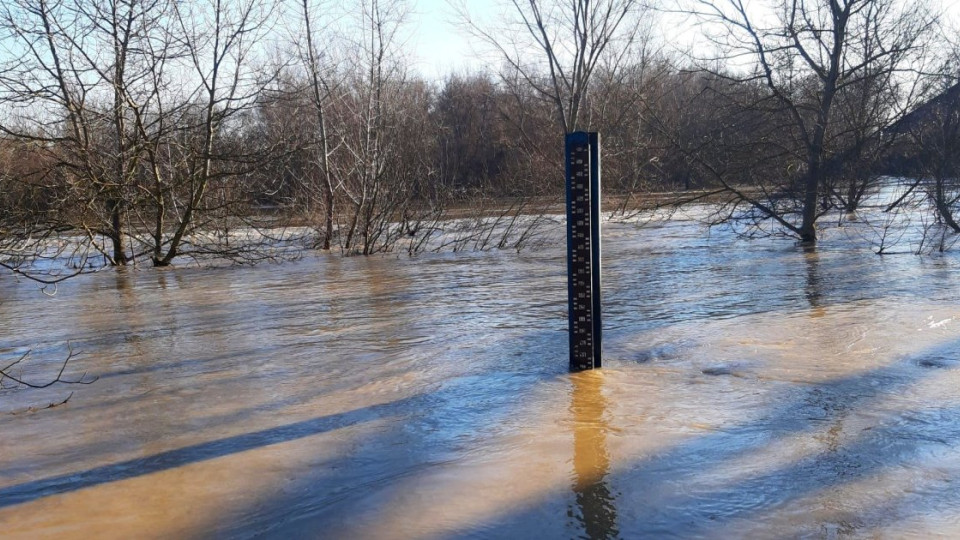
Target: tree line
[(156, 131)]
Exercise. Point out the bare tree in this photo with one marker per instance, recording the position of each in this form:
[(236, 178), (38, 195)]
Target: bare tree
[(374, 84), (219, 38), (805, 55), (130, 104), (66, 88), (556, 47), (320, 95)]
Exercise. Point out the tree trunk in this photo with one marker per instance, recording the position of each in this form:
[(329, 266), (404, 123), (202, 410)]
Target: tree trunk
[(318, 103), (115, 207), (808, 229), (943, 208), (327, 191)]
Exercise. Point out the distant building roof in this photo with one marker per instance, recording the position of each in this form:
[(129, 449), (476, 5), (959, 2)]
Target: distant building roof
[(949, 97)]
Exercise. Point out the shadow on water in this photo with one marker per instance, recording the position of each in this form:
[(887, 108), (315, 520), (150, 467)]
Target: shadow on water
[(439, 422), (650, 502), (114, 472), (429, 426), (644, 502), (596, 511), (437, 430), (599, 509)]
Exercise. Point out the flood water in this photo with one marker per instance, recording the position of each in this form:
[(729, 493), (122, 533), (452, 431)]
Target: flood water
[(749, 389)]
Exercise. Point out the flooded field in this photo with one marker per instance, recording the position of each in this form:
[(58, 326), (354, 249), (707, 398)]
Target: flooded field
[(750, 390)]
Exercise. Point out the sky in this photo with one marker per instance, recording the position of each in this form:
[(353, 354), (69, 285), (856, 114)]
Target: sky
[(438, 46)]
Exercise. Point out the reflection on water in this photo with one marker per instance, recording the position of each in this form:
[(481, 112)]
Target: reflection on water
[(813, 288), (596, 509)]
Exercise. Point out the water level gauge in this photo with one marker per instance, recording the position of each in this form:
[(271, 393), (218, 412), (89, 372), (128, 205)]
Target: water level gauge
[(583, 249)]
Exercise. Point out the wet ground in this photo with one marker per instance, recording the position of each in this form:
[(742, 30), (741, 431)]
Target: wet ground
[(750, 389)]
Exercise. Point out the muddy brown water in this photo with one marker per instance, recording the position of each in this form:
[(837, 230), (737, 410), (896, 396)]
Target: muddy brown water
[(750, 390)]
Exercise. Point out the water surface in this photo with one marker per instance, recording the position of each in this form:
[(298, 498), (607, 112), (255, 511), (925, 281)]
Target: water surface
[(750, 389)]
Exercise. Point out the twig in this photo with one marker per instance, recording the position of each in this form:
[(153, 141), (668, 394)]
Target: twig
[(5, 373)]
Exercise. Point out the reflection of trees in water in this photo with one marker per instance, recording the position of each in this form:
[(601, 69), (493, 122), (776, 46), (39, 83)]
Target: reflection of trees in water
[(596, 512), (813, 288)]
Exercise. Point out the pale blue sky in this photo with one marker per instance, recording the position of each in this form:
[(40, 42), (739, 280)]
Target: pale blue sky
[(436, 45)]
